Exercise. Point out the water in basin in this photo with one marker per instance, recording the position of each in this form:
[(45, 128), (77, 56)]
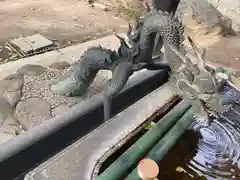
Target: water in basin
[(211, 153)]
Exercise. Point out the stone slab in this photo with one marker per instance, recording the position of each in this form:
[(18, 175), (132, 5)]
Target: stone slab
[(31, 43)]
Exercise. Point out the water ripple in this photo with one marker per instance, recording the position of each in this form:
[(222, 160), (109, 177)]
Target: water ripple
[(218, 149)]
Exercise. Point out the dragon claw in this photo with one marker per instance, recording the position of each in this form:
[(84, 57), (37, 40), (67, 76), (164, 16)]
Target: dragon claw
[(202, 118)]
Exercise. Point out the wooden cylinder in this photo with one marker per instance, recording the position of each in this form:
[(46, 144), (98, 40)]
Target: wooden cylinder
[(148, 169)]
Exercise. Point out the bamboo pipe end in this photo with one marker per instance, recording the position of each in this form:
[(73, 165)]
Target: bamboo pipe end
[(148, 169)]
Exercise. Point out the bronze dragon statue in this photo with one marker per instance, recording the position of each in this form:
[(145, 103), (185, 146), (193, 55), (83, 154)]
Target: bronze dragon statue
[(128, 58), (200, 85)]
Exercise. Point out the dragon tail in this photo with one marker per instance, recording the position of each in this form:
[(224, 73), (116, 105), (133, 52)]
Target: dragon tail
[(83, 72)]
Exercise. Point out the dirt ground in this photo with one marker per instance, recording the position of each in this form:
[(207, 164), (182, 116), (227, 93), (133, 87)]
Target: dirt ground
[(221, 51), (75, 21), (226, 52), (71, 20)]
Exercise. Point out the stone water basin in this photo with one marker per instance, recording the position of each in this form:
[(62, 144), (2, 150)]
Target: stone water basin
[(210, 153), (202, 152)]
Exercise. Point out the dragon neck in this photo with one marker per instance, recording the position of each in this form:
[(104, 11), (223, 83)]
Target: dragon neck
[(174, 61), (171, 31)]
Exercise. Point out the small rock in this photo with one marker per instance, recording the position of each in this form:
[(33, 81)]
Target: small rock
[(4, 52), (90, 1), (60, 65), (13, 97), (61, 109), (31, 70), (5, 110), (11, 90), (75, 18), (100, 6), (79, 25), (9, 125), (33, 111), (11, 84)]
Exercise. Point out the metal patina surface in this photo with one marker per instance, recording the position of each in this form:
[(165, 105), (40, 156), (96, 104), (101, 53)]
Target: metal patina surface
[(127, 59)]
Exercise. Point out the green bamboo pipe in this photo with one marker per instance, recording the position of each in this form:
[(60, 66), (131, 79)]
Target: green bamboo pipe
[(167, 142), (130, 157)]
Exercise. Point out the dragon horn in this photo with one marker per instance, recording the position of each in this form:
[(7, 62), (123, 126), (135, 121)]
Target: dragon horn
[(196, 50), (119, 37), (147, 7), (122, 40), (179, 54), (129, 28), (198, 54)]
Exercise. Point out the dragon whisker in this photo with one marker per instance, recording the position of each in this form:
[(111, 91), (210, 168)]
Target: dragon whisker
[(199, 55), (179, 54)]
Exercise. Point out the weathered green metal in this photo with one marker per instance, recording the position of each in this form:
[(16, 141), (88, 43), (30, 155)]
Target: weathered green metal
[(144, 144), (167, 142)]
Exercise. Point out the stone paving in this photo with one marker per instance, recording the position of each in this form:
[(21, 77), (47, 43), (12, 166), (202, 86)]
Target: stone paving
[(26, 100)]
